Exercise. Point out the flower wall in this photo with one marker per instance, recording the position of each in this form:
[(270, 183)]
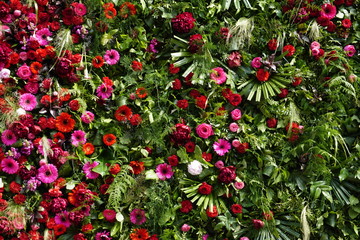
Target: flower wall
[(162, 119)]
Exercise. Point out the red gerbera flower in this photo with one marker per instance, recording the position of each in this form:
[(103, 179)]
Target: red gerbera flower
[(109, 139), (98, 62), (59, 229), (88, 148), (127, 9), (135, 119), (139, 234), (141, 92), (137, 167), (110, 13), (64, 122), (123, 113)]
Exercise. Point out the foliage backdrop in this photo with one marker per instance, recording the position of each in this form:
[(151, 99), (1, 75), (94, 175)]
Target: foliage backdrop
[(161, 119)]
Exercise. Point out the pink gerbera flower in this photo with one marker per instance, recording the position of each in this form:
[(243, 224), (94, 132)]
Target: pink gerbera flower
[(28, 101), (9, 165), (47, 173), (137, 216), (8, 137), (87, 117), (79, 9), (78, 137), (63, 218), (221, 147), (218, 75), (164, 171), (111, 57), (328, 11), (43, 36), (88, 170), (104, 91)]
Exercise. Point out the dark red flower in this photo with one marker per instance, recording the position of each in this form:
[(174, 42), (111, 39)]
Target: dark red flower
[(180, 134), (290, 49), (205, 189), (183, 22), (257, 223), (284, 92), (272, 44), (136, 66), (196, 42), (137, 167), (183, 103), (236, 208), (135, 120), (186, 206), (173, 69), (227, 174), (189, 146), (242, 147), (207, 156), (212, 212), (123, 113), (235, 99), (262, 75), (127, 9), (176, 84), (271, 122), (346, 23), (201, 101), (173, 160)]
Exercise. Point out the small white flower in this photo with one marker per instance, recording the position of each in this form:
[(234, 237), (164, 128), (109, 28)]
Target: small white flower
[(195, 168), (4, 73), (20, 111)]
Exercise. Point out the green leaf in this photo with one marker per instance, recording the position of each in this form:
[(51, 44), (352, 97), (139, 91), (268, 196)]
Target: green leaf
[(328, 196), (353, 214), (353, 200), (101, 169), (343, 174)]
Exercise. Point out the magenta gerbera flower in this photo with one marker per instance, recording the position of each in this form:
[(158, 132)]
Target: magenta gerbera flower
[(8, 137), (87, 117), (47, 173), (221, 147), (78, 137), (104, 91), (27, 101), (111, 57), (328, 11), (137, 216), (88, 170), (164, 171), (63, 218), (9, 165), (43, 36), (218, 75)]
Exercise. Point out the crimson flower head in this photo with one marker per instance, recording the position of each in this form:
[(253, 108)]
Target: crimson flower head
[(290, 49), (262, 75), (227, 174), (195, 43), (186, 206), (127, 9), (183, 22), (205, 189), (257, 223)]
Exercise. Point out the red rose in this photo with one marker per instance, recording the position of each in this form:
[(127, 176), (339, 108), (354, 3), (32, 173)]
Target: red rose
[(290, 49), (173, 69), (272, 44), (136, 66), (195, 43), (205, 189), (236, 208), (227, 174), (201, 101), (262, 75), (346, 23), (212, 213), (235, 99), (242, 147), (284, 92), (186, 206), (173, 160), (190, 147), (115, 169), (176, 84), (271, 122), (183, 104)]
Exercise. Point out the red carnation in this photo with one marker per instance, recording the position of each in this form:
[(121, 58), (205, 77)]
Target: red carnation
[(236, 208), (173, 69), (136, 66), (186, 206), (272, 44), (183, 22), (257, 223), (271, 122), (284, 92), (173, 160), (227, 174), (290, 49), (262, 75), (346, 23), (212, 212), (242, 147), (234, 99), (183, 104), (201, 101), (195, 43), (205, 189)]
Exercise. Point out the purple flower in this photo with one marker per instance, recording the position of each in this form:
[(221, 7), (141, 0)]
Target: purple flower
[(63, 218), (111, 57), (221, 147), (218, 75), (256, 62), (137, 216), (87, 168), (9, 165), (104, 91), (102, 236), (350, 50), (47, 173), (152, 46), (8, 137), (27, 101), (78, 137), (164, 171), (32, 184), (43, 36), (87, 117)]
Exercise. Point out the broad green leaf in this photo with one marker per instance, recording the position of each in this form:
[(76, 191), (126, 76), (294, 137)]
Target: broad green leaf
[(343, 174)]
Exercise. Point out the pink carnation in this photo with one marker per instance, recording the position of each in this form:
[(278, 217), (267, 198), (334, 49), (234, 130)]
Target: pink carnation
[(218, 75)]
